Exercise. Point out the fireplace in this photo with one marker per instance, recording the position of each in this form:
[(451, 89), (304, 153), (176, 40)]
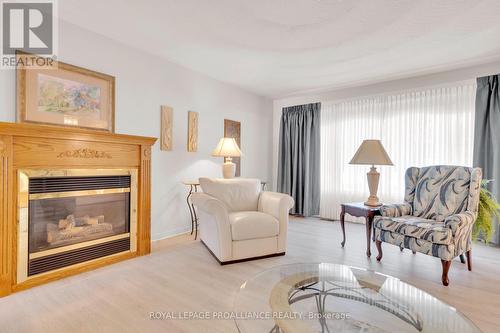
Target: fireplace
[(69, 217), (72, 231)]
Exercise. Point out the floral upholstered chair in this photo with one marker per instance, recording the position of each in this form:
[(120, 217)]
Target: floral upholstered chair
[(441, 204)]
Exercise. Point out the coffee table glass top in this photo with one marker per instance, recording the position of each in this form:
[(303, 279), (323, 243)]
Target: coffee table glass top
[(310, 298)]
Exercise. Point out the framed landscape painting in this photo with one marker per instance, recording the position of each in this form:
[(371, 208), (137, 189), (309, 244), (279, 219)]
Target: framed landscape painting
[(66, 95)]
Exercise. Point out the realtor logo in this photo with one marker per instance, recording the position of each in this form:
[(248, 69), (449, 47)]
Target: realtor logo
[(29, 27)]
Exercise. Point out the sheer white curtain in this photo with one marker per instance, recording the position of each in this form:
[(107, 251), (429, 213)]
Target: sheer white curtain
[(417, 128)]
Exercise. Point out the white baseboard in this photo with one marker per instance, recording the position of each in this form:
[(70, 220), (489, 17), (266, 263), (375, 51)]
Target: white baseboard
[(170, 233)]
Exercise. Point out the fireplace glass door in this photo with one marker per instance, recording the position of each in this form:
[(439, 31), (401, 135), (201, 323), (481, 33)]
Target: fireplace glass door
[(73, 216), (67, 218)]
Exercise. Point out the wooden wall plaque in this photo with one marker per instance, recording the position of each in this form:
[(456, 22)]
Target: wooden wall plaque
[(232, 129), (167, 121), (192, 144)]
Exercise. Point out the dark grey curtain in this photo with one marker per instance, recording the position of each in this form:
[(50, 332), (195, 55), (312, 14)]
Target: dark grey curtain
[(299, 157), (487, 134)]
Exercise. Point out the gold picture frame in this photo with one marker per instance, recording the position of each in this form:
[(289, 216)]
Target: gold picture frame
[(65, 95)]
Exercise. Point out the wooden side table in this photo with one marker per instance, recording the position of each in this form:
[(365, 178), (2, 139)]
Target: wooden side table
[(359, 210)]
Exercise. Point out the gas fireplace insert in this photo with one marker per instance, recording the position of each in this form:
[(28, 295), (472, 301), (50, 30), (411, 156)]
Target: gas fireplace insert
[(68, 217)]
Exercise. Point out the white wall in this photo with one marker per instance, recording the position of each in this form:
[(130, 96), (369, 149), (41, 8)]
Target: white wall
[(465, 74), (143, 83)]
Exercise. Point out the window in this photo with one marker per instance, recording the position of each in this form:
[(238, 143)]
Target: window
[(417, 128)]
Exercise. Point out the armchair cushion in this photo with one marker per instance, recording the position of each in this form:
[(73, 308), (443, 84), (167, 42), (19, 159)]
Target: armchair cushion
[(411, 226), (238, 194), (252, 225), (443, 251), (396, 210)]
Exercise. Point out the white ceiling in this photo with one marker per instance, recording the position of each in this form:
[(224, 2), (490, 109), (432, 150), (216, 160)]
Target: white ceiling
[(281, 47)]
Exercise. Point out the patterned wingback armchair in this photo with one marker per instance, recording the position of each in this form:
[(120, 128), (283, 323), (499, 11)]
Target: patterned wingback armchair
[(440, 208)]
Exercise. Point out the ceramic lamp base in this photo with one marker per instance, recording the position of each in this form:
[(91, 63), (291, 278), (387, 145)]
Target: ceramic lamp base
[(373, 202), (373, 177), (228, 169)]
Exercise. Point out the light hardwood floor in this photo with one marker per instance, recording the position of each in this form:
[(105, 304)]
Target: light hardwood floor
[(180, 275)]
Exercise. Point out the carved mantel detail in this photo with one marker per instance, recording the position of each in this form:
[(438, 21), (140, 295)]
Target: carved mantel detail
[(146, 152), (84, 153)]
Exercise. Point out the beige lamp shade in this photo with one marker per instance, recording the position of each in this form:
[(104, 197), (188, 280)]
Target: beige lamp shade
[(371, 152), (227, 147)]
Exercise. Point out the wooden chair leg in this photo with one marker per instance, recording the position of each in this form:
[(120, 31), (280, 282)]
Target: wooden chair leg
[(378, 244), (469, 260), (462, 259), (446, 267)]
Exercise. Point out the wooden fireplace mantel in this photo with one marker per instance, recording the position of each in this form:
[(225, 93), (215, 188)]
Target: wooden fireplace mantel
[(29, 146)]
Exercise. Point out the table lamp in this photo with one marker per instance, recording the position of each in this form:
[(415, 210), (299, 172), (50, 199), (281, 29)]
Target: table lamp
[(372, 152), (227, 148)]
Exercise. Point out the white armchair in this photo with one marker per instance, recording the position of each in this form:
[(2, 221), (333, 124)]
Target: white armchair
[(240, 222)]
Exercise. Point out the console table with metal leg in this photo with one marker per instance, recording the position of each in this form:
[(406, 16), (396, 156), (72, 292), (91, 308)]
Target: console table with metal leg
[(193, 187)]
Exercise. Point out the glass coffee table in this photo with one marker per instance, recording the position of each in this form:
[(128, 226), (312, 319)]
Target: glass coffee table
[(310, 298)]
